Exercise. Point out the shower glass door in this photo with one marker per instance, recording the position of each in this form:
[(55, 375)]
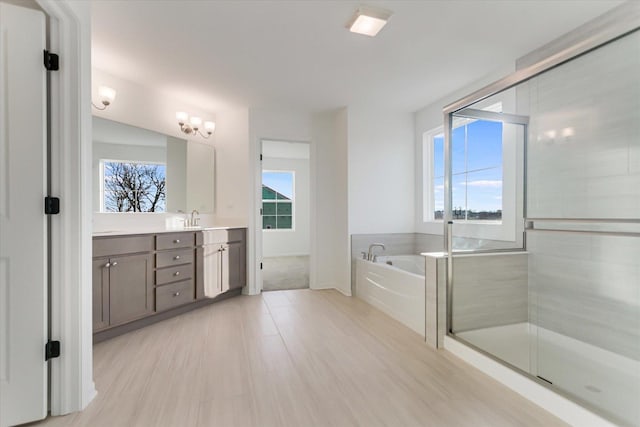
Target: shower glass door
[(547, 280), (490, 295)]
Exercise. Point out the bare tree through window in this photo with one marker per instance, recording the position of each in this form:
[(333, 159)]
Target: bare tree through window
[(134, 187)]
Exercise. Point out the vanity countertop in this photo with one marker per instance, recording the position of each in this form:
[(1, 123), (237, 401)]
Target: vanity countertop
[(109, 233)]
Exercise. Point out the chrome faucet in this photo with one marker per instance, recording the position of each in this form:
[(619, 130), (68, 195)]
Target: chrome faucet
[(370, 255), (193, 222)]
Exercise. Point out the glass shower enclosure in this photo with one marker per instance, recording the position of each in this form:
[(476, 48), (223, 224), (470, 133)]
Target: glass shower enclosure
[(542, 214)]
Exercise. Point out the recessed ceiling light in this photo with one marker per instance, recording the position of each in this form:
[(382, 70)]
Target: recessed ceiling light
[(369, 20)]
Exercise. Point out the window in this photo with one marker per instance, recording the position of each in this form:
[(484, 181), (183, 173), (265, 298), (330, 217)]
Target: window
[(277, 200), (129, 186), (477, 171)]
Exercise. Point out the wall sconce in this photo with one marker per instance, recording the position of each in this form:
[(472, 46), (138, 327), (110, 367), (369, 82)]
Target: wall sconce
[(191, 125), (107, 95)]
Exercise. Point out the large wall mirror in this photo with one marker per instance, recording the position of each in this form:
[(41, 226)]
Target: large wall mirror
[(137, 170)]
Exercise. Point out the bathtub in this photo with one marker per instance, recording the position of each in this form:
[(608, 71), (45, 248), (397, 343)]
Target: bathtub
[(395, 285)]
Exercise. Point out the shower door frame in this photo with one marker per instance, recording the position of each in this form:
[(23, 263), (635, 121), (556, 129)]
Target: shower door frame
[(616, 24)]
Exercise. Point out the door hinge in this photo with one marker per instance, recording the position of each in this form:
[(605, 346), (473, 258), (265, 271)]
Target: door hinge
[(51, 61), (51, 350), (51, 205)]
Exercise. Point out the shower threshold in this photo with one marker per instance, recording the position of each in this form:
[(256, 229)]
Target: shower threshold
[(606, 382)]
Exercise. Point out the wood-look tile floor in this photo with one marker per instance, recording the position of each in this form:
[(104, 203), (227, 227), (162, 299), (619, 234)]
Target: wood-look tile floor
[(291, 358)]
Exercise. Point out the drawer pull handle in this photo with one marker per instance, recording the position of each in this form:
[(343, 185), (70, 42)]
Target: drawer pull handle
[(176, 241), (177, 294), (114, 263), (177, 273), (177, 257)]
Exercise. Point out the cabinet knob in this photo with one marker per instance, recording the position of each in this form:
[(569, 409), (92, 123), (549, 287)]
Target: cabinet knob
[(176, 241), (177, 273), (107, 265), (177, 257), (177, 294), (114, 263)]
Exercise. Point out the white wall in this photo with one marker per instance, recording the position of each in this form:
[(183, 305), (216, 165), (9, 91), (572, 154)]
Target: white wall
[(296, 241), (232, 166), (381, 171), (330, 229), (144, 107), (279, 125)]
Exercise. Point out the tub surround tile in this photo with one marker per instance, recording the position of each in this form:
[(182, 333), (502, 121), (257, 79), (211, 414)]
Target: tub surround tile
[(395, 244)]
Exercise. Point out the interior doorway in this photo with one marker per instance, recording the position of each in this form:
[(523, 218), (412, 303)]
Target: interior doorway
[(285, 209)]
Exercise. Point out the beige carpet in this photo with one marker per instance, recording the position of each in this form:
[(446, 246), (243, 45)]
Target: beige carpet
[(291, 272)]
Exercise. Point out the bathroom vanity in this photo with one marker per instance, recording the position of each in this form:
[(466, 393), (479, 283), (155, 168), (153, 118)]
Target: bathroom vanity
[(139, 279)]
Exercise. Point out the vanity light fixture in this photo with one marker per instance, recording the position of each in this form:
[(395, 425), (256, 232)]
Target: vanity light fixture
[(369, 20), (191, 125), (107, 95)]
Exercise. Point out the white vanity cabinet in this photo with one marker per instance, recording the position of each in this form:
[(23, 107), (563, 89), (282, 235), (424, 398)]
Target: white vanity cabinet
[(223, 257)]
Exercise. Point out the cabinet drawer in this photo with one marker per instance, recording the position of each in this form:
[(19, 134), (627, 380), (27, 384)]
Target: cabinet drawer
[(174, 240), (169, 258), (109, 246), (173, 295), (173, 274), (223, 236), (236, 235)]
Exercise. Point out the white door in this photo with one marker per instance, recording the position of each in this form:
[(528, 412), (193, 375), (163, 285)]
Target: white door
[(23, 274)]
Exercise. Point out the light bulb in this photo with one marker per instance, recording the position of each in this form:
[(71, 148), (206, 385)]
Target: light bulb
[(196, 121), (106, 94), (209, 126), (182, 117)]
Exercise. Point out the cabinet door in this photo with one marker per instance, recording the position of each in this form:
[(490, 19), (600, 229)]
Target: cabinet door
[(199, 267), (100, 293), (234, 265), (224, 268), (130, 288), (212, 270)]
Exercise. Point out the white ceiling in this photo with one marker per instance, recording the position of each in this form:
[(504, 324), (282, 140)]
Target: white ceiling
[(298, 54)]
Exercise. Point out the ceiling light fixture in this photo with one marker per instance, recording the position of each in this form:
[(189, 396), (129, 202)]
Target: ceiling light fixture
[(107, 95), (191, 125), (368, 20)]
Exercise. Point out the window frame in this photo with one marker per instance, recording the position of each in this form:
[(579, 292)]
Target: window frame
[(138, 162), (292, 200), (503, 230)]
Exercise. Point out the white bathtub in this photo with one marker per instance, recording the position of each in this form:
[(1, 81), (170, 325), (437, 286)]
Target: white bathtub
[(397, 289)]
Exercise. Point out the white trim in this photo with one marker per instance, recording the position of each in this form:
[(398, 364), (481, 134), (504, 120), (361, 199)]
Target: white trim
[(430, 224), (254, 241), (72, 386), (558, 405)]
